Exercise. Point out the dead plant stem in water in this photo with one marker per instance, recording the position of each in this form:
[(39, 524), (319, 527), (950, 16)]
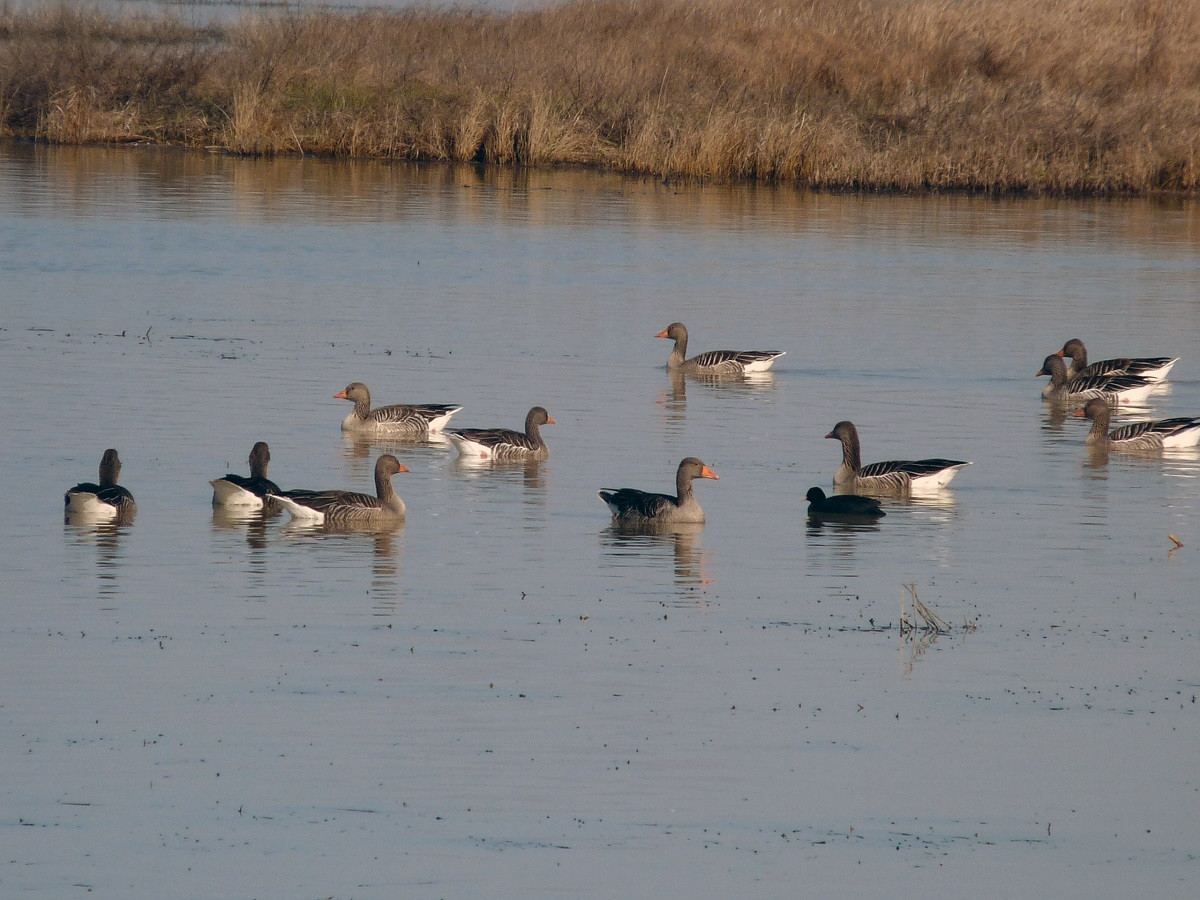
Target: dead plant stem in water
[(1087, 96)]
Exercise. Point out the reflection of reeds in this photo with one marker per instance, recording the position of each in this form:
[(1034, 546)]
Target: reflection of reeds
[(1087, 95)]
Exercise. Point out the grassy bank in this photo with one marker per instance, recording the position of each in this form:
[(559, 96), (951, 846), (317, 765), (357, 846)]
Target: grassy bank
[(1002, 95)]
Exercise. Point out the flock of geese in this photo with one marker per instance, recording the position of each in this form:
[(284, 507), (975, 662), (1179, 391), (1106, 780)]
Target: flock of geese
[(1091, 390)]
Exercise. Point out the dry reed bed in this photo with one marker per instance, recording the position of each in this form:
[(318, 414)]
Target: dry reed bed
[(1041, 95)]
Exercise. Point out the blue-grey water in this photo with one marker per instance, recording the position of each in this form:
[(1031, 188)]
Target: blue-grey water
[(505, 697)]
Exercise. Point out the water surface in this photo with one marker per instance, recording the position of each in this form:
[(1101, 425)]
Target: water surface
[(507, 697)]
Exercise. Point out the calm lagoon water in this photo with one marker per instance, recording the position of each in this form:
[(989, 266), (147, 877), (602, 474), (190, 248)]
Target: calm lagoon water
[(505, 697)]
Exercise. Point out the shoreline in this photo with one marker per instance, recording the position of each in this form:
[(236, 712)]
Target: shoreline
[(1093, 98)]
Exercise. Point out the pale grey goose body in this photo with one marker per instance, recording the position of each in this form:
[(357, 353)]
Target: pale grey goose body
[(504, 444), (349, 507), (1182, 431), (727, 363), (401, 420), (1152, 368), (630, 506), (897, 476), (1066, 391)]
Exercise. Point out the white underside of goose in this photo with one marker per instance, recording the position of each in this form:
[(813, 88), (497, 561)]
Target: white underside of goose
[(937, 480), (1136, 394), (300, 511), (1185, 438), (226, 493), (469, 448), (89, 507), (1159, 374), (760, 365)]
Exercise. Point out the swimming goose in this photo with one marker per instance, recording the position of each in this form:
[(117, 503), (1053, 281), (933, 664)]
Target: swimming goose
[(103, 502), (238, 490), (418, 419), (892, 476), (630, 506), (849, 505), (502, 444), (1152, 368), (728, 363), (1183, 431), (349, 507), (1077, 391)]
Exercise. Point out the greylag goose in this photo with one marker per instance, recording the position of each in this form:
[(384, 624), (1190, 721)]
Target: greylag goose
[(503, 444), (400, 420), (892, 476), (727, 363), (1077, 391), (630, 506), (848, 505), (238, 490), (1152, 368), (103, 502), (1183, 431), (348, 507)]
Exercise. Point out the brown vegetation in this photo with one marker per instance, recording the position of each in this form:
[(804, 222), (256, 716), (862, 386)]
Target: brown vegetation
[(1041, 95)]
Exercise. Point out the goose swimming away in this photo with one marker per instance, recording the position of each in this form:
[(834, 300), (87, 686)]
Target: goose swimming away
[(849, 505), (1152, 368), (1183, 431), (103, 502), (399, 420), (1077, 391), (892, 476), (727, 363), (629, 506), (238, 490), (503, 444), (349, 507)]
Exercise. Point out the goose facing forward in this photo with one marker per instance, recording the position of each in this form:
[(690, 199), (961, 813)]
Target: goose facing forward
[(1077, 391), (349, 507), (897, 476), (841, 505), (629, 506), (238, 490), (399, 420), (503, 444), (103, 502), (1183, 431), (1152, 368), (728, 363)]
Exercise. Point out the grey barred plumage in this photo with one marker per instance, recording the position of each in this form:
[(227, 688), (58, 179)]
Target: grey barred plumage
[(726, 363), (898, 476), (412, 420)]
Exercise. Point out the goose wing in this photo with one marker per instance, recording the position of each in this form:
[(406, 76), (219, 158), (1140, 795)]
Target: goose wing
[(631, 502)]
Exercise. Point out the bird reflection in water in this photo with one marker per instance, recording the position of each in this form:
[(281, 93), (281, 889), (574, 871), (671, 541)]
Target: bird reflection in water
[(106, 537), (492, 476), (241, 518), (674, 398), (358, 447), (385, 553), (692, 564)]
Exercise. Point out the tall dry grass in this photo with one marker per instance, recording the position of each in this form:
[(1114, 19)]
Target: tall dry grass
[(1021, 95)]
